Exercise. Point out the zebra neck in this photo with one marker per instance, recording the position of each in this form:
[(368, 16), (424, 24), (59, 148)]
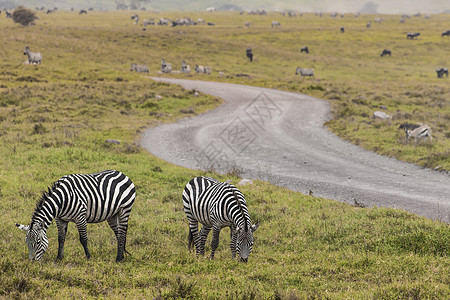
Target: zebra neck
[(45, 212)]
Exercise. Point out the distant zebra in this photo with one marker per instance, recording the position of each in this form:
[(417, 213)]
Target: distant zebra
[(82, 198), (304, 72), (275, 24), (8, 14), (185, 68), (441, 72), (135, 18), (139, 68), (446, 33), (33, 57), (217, 205), (385, 52), (203, 69), (150, 21), (249, 54), (412, 35), (165, 67), (368, 24), (247, 24), (164, 21), (378, 20), (304, 49), (201, 21)]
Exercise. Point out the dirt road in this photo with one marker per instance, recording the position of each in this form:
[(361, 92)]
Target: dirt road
[(279, 137)]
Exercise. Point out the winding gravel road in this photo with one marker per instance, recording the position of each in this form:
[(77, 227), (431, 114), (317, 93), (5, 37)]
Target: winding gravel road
[(279, 137)]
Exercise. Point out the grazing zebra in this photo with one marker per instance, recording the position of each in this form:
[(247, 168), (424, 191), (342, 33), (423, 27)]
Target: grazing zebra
[(139, 68), (420, 132), (82, 198), (304, 49), (203, 69), (441, 71), (385, 52), (185, 68), (33, 57), (217, 205), (304, 72), (165, 67), (275, 24), (446, 33), (249, 54), (412, 35)]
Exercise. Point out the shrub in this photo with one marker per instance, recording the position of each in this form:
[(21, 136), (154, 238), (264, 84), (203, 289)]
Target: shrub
[(23, 16)]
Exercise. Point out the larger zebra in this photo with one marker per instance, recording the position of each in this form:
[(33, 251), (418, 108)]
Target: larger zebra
[(82, 198), (217, 205)]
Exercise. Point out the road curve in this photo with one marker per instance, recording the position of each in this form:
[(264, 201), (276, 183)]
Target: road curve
[(279, 137)]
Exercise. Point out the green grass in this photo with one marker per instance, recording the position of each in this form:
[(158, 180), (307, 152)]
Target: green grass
[(56, 118)]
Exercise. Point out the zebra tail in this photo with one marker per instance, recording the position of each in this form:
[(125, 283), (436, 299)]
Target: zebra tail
[(191, 240)]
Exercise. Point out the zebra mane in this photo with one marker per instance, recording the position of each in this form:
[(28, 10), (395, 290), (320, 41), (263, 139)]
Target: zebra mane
[(44, 196), (241, 210)]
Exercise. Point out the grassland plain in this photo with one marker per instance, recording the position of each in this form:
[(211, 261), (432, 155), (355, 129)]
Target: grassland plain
[(56, 117)]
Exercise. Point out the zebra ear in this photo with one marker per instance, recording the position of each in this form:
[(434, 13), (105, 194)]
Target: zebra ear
[(255, 227), (23, 227), (238, 229)]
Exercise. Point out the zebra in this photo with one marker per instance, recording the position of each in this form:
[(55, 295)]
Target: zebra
[(165, 67), (139, 68), (249, 54), (275, 24), (446, 33), (33, 57), (201, 21), (412, 35), (304, 49), (385, 52), (135, 18), (216, 205), (304, 72), (441, 71), (185, 68), (203, 69), (378, 20), (82, 198), (150, 21), (368, 24), (164, 21)]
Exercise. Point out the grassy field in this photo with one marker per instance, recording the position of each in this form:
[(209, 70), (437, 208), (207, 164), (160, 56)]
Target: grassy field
[(56, 118)]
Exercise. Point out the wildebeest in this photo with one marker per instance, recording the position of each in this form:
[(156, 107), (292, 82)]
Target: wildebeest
[(441, 71), (83, 11), (304, 72), (33, 57), (417, 131), (139, 68), (412, 35), (304, 49), (249, 54), (275, 24), (446, 33), (385, 52), (185, 68), (203, 69), (165, 67)]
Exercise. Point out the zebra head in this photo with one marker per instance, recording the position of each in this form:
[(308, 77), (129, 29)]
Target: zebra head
[(36, 239), (244, 241), (26, 51)]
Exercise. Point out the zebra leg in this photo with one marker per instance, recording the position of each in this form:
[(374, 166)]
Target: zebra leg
[(203, 235), (82, 230), (194, 237), (122, 228), (233, 238), (62, 230), (215, 241)]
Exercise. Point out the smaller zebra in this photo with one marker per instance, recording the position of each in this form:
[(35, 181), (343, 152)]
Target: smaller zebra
[(275, 24), (412, 35), (304, 72), (185, 68), (165, 67), (446, 33), (249, 54), (418, 133), (135, 18), (304, 49), (139, 68), (164, 21), (33, 57), (441, 71), (203, 69), (385, 52), (201, 21)]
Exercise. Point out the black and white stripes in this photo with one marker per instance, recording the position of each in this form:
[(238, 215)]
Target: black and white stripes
[(82, 198), (217, 205)]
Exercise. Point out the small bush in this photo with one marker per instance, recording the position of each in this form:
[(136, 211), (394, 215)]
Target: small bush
[(23, 16)]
